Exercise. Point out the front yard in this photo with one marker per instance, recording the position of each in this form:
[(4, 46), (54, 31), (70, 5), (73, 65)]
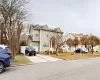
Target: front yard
[(71, 56), (21, 60)]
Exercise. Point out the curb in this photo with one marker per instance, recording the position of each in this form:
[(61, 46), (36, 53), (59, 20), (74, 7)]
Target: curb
[(88, 58), (21, 65)]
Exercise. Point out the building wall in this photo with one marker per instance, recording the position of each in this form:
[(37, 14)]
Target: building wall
[(35, 45), (41, 38), (44, 40), (45, 37), (36, 35), (70, 36)]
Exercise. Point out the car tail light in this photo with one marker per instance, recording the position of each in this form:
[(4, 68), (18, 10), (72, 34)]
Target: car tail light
[(8, 53)]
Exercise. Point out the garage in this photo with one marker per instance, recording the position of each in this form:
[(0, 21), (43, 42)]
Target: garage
[(35, 45)]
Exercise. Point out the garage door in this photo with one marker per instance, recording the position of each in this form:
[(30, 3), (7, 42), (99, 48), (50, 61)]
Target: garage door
[(35, 45), (36, 48)]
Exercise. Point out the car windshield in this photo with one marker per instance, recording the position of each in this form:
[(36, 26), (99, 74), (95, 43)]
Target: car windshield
[(30, 48)]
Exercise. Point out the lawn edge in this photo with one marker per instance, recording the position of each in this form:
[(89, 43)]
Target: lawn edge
[(21, 65)]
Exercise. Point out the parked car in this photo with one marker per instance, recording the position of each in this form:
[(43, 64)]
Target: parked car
[(98, 50), (5, 50), (5, 61), (30, 51), (79, 50)]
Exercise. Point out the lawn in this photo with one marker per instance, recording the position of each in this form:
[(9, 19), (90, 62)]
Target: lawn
[(21, 60), (98, 53), (71, 56)]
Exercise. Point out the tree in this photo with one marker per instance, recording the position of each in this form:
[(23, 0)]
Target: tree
[(58, 40), (84, 41), (93, 41), (69, 42), (12, 14), (75, 42)]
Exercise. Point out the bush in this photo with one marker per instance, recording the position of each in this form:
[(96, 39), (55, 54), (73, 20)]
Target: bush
[(54, 52), (47, 52), (23, 43), (60, 51)]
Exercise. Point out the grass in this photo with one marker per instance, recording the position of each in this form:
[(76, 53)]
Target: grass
[(71, 56), (21, 60), (97, 53)]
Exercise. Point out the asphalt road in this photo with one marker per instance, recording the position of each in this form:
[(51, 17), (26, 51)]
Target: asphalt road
[(83, 69)]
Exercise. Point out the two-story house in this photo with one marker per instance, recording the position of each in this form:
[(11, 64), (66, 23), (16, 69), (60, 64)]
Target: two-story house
[(40, 36)]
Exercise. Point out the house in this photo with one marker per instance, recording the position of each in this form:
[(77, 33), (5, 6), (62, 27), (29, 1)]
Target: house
[(40, 37), (73, 36)]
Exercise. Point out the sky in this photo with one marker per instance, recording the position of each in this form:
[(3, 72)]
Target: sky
[(72, 16)]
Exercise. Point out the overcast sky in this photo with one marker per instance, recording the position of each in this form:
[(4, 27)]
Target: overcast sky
[(72, 16)]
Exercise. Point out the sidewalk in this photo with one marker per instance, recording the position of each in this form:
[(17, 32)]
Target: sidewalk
[(42, 58)]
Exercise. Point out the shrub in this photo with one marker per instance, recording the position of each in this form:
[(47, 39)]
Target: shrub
[(60, 51), (23, 43)]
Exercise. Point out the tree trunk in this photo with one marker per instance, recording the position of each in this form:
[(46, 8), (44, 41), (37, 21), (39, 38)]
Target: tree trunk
[(56, 51), (92, 49), (75, 47), (70, 49)]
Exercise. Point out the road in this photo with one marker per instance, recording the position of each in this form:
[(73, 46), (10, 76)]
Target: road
[(83, 69)]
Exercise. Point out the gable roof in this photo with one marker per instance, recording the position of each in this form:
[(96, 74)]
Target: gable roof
[(45, 27)]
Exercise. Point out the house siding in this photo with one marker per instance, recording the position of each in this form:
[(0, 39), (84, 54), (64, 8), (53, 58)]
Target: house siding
[(41, 37), (36, 35)]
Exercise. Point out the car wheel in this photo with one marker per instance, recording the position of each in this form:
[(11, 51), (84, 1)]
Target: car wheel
[(26, 52), (30, 54), (34, 53), (1, 67)]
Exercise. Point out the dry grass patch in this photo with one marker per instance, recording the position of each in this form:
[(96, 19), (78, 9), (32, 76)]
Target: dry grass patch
[(21, 60), (71, 56)]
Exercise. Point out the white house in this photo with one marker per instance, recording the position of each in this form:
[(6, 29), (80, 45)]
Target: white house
[(40, 36), (72, 36)]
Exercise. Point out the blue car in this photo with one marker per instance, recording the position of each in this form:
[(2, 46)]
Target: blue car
[(5, 57), (5, 61), (79, 50), (5, 50)]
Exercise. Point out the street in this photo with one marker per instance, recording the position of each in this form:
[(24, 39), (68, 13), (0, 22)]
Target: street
[(82, 69)]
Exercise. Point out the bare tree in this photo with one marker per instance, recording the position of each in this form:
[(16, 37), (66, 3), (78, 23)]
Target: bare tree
[(58, 42), (69, 42), (76, 42), (84, 41), (12, 14), (93, 41)]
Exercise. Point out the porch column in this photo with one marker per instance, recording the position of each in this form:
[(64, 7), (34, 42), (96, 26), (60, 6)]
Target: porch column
[(50, 44)]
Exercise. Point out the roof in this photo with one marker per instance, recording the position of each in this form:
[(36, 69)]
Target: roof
[(76, 35), (46, 28)]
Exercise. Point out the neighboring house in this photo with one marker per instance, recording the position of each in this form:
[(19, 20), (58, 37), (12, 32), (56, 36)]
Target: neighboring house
[(40, 36), (72, 36), (72, 49)]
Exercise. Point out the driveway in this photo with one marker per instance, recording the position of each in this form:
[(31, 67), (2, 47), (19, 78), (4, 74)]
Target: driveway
[(83, 69), (42, 58)]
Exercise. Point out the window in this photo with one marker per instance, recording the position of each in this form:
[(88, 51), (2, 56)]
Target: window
[(45, 45), (36, 35), (47, 35)]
